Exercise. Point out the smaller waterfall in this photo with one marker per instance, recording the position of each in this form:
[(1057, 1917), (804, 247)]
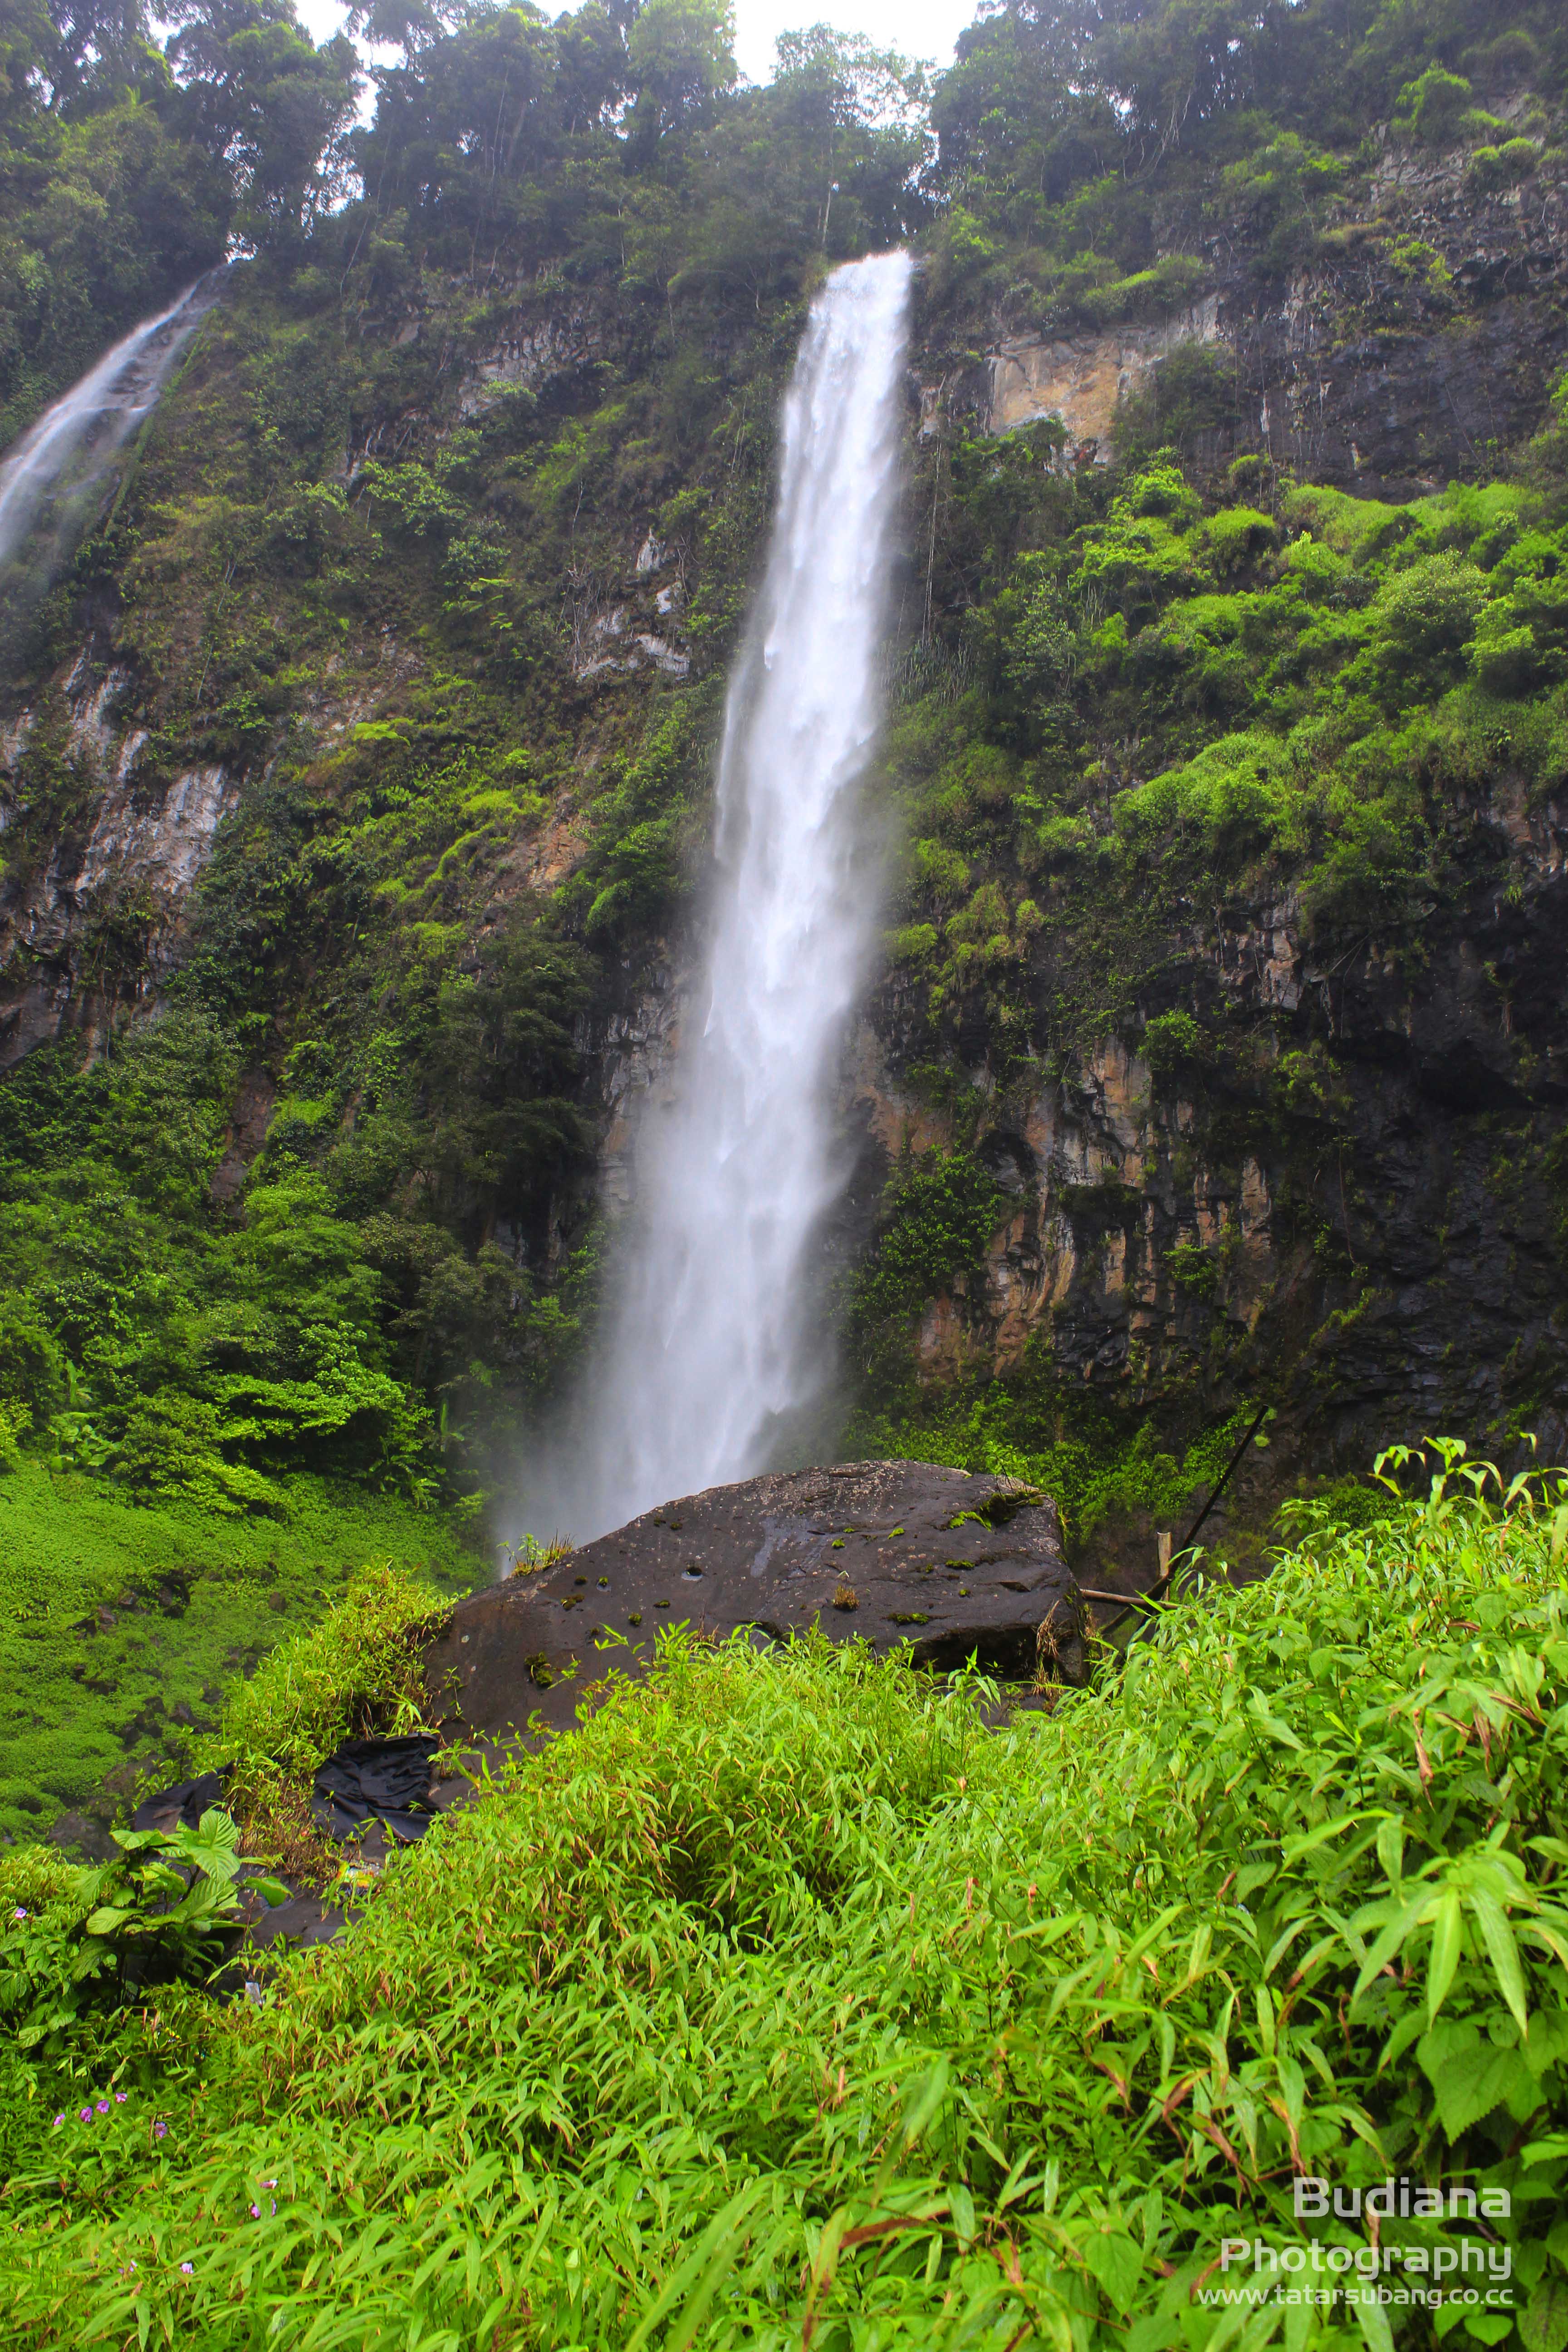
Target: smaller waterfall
[(52, 478)]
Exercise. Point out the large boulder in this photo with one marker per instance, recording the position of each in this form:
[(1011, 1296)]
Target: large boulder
[(892, 1553)]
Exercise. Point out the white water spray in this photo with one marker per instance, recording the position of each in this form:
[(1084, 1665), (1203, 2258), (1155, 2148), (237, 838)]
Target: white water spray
[(51, 477), (717, 1335)]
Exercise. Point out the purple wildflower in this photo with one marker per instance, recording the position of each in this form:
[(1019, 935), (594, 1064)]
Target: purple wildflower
[(256, 2212), (187, 2268), (159, 2129), (103, 2106), (121, 2098), (59, 2121), (86, 2115), (18, 1913)]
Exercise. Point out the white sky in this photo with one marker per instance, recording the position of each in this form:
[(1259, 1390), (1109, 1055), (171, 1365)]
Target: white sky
[(920, 28)]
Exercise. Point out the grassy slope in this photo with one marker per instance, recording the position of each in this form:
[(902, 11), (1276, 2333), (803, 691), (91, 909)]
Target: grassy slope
[(784, 1990), (77, 1706)]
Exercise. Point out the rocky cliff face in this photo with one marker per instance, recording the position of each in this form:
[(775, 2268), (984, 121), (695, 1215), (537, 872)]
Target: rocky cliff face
[(98, 920), (1343, 1198), (1418, 349), (1381, 1256)]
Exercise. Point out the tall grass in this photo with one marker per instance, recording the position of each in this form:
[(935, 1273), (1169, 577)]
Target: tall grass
[(785, 2005)]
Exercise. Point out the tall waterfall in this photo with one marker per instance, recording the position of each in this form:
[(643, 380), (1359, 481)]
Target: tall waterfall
[(718, 1333), (51, 478)]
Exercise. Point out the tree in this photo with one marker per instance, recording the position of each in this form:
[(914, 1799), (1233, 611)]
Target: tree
[(88, 53), (261, 94), (681, 55)]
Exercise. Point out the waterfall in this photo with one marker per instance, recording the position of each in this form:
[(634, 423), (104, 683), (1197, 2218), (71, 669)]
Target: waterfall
[(717, 1336), (51, 478)]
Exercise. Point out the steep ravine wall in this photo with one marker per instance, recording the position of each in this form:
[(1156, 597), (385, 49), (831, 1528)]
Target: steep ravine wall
[(1382, 1259), (1384, 1256), (1382, 1237)]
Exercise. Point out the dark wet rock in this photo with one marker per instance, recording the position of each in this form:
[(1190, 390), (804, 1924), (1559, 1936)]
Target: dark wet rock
[(304, 1919), (78, 1834), (182, 1806), (366, 1780), (888, 1552)]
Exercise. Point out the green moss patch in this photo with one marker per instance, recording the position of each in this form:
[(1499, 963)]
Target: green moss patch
[(120, 1626)]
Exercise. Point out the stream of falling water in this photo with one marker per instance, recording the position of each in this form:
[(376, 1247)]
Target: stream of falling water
[(717, 1335), (51, 478)]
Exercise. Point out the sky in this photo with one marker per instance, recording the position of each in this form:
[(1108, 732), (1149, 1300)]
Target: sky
[(920, 28)]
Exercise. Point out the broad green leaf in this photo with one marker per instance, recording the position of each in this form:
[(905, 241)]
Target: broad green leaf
[(1117, 2263), (1503, 1952), (1275, 1726), (1447, 1943), (1470, 2076), (923, 2099), (1372, 2321), (1543, 2321), (1392, 1940), (703, 2271), (1310, 1840)]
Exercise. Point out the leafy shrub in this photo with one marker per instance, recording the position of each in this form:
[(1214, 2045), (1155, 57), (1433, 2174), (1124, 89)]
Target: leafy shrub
[(354, 1673), (1171, 280), (1170, 1042), (1193, 1269), (939, 1212), (1234, 799), (1236, 536), (1376, 871), (1274, 190), (91, 1940), (1430, 110), (1192, 394), (1425, 613), (1502, 167)]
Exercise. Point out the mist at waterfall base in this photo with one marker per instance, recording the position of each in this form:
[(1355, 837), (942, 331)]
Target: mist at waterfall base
[(55, 478), (717, 1343)]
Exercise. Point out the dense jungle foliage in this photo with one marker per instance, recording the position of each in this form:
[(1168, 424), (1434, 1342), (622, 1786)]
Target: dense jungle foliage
[(330, 1215), (786, 2002)]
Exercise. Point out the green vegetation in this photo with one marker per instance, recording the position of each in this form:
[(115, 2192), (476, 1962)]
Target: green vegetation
[(939, 1212), (1096, 156), (356, 1671), (786, 2003), (1315, 691), (119, 1623), (786, 1996), (160, 1911), (1022, 1428), (1168, 697), (84, 1946)]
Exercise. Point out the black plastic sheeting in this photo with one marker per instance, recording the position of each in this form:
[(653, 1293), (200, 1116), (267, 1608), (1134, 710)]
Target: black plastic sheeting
[(375, 1781), (183, 1805)]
